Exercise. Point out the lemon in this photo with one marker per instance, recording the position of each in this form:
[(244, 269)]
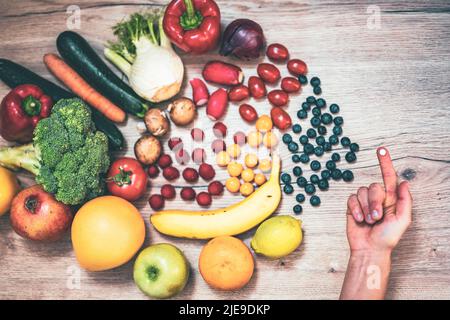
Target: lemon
[(277, 237)]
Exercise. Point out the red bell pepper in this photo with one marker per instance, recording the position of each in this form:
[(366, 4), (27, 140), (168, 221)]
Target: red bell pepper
[(21, 110), (193, 25)]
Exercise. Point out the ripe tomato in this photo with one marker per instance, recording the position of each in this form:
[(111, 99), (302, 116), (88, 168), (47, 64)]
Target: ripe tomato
[(238, 93), (248, 113), (280, 118), (278, 98), (127, 179), (277, 52), (268, 72), (257, 87)]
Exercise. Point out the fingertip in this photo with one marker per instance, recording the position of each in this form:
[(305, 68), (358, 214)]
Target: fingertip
[(369, 219), (377, 214), (358, 216), (404, 184), (404, 191), (382, 151)]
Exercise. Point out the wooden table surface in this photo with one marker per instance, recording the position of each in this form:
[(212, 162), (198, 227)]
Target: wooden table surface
[(389, 75)]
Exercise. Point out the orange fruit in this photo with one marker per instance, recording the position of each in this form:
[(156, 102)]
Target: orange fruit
[(8, 190), (226, 263), (106, 233)]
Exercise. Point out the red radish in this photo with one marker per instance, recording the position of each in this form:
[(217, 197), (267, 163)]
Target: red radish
[(168, 191), (190, 175), (187, 193), (223, 73), (278, 98), (182, 156), (220, 130), (277, 52), (218, 145), (257, 87), (171, 173), (206, 171), (217, 104), (153, 171), (290, 85), (198, 155), (280, 118), (297, 67), (248, 113), (175, 142), (197, 134), (200, 93), (204, 199), (268, 72), (240, 138), (156, 202), (215, 188), (164, 161), (238, 93)]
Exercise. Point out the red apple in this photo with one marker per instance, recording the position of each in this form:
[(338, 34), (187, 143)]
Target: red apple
[(37, 215)]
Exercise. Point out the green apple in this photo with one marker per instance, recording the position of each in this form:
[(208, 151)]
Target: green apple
[(161, 271)]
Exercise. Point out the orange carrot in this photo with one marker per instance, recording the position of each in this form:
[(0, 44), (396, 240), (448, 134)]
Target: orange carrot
[(81, 88)]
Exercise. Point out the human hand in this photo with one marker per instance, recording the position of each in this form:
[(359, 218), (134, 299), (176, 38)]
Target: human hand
[(378, 216)]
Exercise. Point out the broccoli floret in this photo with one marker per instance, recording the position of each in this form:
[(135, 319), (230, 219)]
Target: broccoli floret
[(68, 157)]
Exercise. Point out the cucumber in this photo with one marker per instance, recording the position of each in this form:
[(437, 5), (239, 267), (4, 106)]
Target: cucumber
[(103, 124), (13, 75), (77, 52)]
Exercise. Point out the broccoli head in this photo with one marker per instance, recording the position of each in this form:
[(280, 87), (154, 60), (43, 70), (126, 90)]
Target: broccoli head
[(68, 156)]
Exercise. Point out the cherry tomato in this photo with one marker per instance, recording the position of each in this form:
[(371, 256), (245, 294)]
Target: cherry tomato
[(257, 87), (248, 113), (277, 52), (127, 179), (238, 93), (297, 67), (280, 118), (268, 72), (278, 98), (290, 85)]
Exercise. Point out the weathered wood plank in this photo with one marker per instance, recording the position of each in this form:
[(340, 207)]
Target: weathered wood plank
[(393, 87)]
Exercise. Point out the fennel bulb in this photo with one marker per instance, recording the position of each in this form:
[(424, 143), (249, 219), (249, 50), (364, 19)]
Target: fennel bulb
[(146, 57)]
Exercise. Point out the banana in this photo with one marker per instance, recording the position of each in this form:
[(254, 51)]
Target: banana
[(229, 221)]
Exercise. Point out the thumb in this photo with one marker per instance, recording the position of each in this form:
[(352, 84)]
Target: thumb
[(404, 204)]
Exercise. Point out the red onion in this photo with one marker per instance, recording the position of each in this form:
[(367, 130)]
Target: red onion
[(243, 38)]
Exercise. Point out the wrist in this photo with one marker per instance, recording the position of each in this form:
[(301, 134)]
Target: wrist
[(365, 254), (367, 274)]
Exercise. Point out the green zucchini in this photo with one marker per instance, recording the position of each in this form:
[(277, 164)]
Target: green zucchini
[(115, 137), (13, 75), (77, 52)]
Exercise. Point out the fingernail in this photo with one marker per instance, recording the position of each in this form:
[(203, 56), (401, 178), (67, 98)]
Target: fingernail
[(369, 218), (375, 214), (382, 152), (359, 217)]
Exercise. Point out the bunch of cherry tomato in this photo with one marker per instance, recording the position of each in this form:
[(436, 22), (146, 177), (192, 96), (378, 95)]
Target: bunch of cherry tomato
[(270, 74)]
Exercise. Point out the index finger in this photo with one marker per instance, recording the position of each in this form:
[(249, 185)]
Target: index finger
[(389, 176)]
